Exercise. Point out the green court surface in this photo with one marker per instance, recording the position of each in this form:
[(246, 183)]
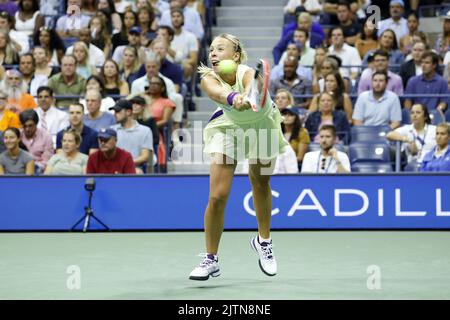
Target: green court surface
[(156, 265)]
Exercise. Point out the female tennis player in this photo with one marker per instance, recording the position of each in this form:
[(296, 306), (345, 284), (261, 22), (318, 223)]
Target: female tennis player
[(235, 132)]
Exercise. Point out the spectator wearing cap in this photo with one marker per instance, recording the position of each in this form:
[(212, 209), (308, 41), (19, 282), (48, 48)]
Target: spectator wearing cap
[(132, 136), (429, 82), (69, 25), (51, 119), (348, 54), (144, 118), (134, 40), (19, 41), (327, 159), (110, 159), (184, 44), (7, 117), (381, 64), (95, 118), (299, 44), (378, 107), (291, 81), (442, 44), (295, 133), (16, 89), (89, 142), (27, 67), (396, 22), (96, 55), (192, 19), (67, 82), (38, 141)]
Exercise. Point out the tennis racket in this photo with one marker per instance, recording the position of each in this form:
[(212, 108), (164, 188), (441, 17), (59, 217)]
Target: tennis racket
[(259, 90)]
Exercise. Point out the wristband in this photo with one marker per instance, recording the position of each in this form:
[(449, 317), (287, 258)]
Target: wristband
[(231, 97)]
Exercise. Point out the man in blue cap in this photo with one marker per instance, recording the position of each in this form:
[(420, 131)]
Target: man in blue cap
[(134, 40), (110, 159), (396, 22), (132, 136)]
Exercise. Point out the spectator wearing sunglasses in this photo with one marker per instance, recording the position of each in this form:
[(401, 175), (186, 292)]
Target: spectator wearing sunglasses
[(327, 159)]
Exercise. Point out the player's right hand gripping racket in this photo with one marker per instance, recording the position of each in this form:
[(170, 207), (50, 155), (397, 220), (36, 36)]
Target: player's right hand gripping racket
[(260, 85)]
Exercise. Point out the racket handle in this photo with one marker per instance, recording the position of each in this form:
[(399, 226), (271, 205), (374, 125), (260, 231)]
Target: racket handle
[(258, 67)]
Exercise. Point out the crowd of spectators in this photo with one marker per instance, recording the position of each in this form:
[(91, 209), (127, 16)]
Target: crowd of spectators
[(88, 82), (86, 87), (346, 71)]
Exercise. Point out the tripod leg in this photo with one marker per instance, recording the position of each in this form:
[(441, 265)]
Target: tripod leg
[(78, 222), (99, 221), (86, 223)]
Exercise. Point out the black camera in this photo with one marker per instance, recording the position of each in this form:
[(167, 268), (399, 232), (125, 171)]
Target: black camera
[(89, 185)]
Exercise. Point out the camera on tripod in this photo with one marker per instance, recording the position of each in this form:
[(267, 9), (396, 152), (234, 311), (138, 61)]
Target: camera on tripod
[(89, 185)]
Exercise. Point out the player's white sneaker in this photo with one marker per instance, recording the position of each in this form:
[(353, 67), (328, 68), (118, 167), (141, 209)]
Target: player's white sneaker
[(267, 261), (208, 267)]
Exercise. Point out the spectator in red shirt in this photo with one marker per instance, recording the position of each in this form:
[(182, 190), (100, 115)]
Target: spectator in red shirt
[(110, 159)]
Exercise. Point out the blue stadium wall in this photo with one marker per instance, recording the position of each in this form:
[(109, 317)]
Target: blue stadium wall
[(401, 201)]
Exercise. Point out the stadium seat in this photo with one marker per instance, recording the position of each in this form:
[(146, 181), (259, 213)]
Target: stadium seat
[(68, 42), (369, 133), (406, 116), (411, 167), (436, 117), (368, 167), (369, 151)]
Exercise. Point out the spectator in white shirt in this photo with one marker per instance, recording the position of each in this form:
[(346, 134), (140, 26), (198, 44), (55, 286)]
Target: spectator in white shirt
[(348, 54), (70, 24), (418, 137), (327, 159), (51, 118), (192, 19), (185, 43), (396, 22), (96, 55)]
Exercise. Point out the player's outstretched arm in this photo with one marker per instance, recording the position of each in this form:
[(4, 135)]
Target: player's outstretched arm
[(212, 87)]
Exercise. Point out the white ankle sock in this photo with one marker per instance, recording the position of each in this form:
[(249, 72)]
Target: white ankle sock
[(261, 240)]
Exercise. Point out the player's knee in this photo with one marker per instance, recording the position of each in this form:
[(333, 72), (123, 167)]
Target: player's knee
[(217, 202)]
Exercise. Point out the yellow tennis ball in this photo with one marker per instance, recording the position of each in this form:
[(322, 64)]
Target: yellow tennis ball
[(227, 66)]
